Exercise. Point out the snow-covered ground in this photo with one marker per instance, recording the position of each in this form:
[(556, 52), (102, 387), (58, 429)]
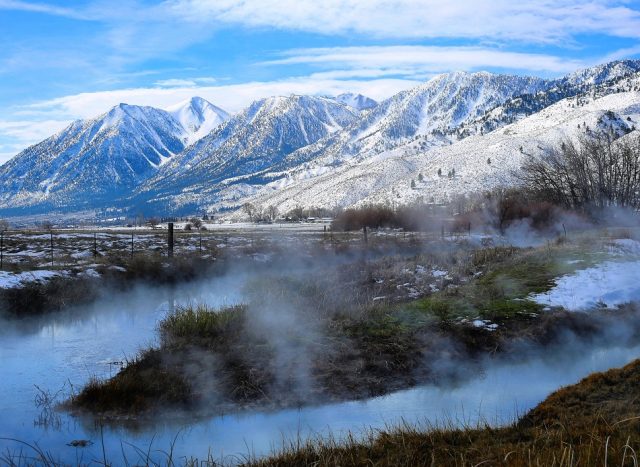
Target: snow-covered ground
[(9, 280), (608, 284)]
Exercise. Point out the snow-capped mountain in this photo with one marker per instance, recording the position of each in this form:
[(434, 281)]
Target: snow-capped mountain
[(480, 162), (357, 101), (442, 103), (254, 140), (601, 74), (198, 117), (598, 80), (309, 150), (94, 162)]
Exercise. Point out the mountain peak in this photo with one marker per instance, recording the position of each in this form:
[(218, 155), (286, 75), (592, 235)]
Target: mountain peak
[(119, 114), (198, 117), (357, 101), (601, 73)]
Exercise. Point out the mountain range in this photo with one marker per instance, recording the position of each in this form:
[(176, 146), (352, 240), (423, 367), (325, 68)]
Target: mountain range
[(316, 151)]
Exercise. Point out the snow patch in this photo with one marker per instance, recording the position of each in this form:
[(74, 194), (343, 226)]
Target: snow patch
[(609, 284), (9, 280)]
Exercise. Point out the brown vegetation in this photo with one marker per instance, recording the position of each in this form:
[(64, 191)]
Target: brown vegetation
[(593, 423), (597, 172)]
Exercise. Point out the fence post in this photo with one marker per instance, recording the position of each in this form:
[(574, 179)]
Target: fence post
[(170, 238), (364, 229), (1, 247), (95, 245), (132, 244), (51, 235)]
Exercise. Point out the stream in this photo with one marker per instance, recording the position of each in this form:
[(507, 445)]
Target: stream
[(58, 352)]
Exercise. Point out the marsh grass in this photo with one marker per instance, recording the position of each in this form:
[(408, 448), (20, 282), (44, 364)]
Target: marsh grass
[(74, 289), (53, 295), (201, 325), (507, 277), (148, 377)]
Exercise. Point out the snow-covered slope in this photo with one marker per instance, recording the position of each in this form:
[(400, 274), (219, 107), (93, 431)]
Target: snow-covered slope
[(480, 162), (91, 162), (357, 101), (198, 117), (444, 102), (601, 74), (598, 80), (254, 140)]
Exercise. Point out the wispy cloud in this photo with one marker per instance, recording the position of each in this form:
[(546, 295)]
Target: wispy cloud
[(18, 134), (232, 97), (533, 21), (418, 60), (622, 53), (45, 8), (175, 83), (139, 30), (185, 82)]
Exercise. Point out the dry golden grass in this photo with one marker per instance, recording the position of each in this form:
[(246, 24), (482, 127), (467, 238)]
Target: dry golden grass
[(593, 423)]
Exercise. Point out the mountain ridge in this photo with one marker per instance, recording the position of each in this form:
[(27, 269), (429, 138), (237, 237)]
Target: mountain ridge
[(195, 156)]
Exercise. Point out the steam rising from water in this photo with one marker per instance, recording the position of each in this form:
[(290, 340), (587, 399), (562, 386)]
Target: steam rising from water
[(77, 345)]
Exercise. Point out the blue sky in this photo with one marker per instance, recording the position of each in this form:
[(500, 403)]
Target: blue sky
[(63, 60)]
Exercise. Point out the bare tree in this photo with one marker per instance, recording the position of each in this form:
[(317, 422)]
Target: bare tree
[(153, 222), (272, 212), (296, 213), (195, 222), (597, 171), (250, 210), (4, 225)]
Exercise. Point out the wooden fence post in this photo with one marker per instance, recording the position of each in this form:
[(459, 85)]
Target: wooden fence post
[(170, 239)]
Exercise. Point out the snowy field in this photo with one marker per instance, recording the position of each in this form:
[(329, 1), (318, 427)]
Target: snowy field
[(608, 284), (30, 256)]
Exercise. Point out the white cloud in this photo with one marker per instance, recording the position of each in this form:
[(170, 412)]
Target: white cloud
[(30, 131), (175, 83), (533, 21), (137, 31), (413, 60), (17, 135), (622, 53), (41, 8)]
